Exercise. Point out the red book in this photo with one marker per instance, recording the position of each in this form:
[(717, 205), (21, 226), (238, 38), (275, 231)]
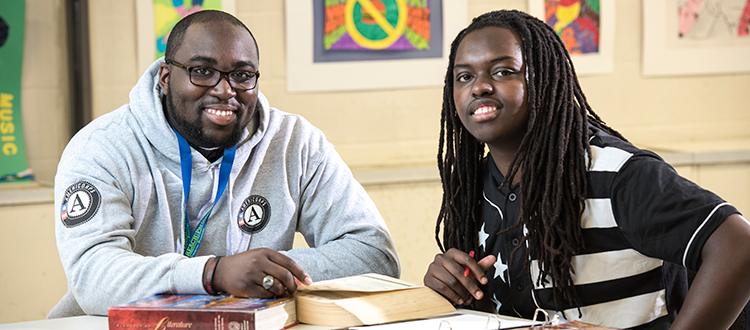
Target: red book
[(221, 312)]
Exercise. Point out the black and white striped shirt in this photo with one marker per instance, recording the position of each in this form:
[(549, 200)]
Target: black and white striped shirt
[(638, 213)]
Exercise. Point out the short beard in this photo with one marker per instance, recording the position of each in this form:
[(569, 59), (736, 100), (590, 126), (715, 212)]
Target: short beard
[(194, 133)]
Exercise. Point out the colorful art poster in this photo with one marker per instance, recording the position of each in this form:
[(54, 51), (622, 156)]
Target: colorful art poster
[(713, 19), (14, 166), (577, 22), (377, 24), (355, 30), (688, 37), (168, 12)]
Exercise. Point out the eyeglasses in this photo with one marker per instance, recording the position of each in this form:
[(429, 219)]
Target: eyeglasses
[(554, 321), (205, 76)]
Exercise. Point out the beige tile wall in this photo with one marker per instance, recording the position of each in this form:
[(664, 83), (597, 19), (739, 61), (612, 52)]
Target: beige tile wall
[(379, 127), (31, 277), (410, 211), (731, 181), (112, 33), (45, 86)]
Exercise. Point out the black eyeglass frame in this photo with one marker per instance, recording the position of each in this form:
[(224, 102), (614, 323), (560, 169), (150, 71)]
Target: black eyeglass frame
[(222, 75)]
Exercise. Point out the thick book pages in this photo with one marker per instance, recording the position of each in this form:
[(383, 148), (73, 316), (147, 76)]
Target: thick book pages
[(223, 312), (367, 299)]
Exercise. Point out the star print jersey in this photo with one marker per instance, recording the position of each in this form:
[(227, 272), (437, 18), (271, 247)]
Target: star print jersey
[(641, 219)]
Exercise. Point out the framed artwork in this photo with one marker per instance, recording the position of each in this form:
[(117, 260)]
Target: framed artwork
[(156, 18), (340, 45), (685, 37), (586, 27), (347, 31)]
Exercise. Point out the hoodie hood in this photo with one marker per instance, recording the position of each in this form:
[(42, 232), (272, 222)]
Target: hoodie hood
[(146, 107)]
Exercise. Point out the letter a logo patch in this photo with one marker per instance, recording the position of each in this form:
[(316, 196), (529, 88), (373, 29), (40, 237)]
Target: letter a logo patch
[(254, 214), (81, 202)]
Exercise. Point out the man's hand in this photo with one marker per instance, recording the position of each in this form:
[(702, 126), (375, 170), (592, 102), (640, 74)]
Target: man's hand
[(446, 276), (242, 274)]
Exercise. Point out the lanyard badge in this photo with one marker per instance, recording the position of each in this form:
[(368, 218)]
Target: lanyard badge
[(193, 238)]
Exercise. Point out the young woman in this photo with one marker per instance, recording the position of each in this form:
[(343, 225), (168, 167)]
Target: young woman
[(563, 213)]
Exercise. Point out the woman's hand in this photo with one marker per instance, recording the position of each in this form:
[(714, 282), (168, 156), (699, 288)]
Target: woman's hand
[(446, 276)]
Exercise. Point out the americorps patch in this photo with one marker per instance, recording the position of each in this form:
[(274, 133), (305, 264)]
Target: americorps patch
[(254, 214), (80, 204)]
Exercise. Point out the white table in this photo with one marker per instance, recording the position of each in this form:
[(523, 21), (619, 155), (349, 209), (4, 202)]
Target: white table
[(66, 323), (100, 323)]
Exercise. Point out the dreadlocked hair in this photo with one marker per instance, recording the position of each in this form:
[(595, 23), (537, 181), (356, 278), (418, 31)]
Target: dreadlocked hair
[(552, 155)]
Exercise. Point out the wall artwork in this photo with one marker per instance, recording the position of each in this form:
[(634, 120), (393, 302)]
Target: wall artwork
[(684, 37), (365, 44), (586, 27), (156, 18), (377, 29)]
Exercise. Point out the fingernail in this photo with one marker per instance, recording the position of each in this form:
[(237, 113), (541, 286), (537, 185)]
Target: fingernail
[(460, 301), (478, 295), (308, 280), (483, 280)]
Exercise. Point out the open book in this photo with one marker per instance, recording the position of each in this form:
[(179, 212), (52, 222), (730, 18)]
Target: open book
[(367, 299)]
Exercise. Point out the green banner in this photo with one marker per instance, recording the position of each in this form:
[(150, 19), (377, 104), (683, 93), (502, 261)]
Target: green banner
[(13, 164)]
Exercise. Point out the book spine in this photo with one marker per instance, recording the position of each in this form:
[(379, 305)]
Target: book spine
[(156, 319)]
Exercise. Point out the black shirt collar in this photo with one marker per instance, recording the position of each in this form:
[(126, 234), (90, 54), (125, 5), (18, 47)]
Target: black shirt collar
[(495, 178)]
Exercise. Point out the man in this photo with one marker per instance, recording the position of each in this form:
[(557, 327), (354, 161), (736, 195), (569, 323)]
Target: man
[(196, 166)]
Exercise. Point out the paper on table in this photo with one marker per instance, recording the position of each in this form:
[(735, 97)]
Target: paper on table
[(362, 283), (454, 322)]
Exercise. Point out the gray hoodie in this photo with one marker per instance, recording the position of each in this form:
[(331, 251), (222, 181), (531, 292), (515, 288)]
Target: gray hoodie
[(119, 208)]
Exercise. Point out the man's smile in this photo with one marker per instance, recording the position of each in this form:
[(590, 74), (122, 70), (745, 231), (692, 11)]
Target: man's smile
[(221, 115)]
